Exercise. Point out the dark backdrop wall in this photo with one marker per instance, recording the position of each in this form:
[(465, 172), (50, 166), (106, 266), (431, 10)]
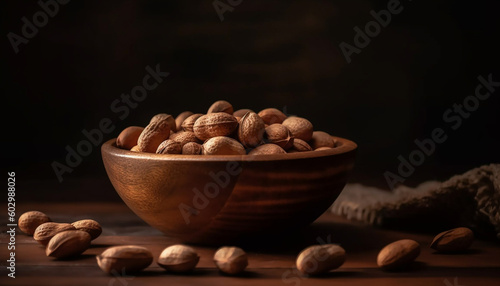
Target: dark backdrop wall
[(282, 54)]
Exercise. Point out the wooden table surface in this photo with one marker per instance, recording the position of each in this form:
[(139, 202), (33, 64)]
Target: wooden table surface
[(271, 259)]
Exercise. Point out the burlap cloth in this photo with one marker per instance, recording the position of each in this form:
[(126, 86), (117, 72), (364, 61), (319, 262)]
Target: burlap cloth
[(471, 199)]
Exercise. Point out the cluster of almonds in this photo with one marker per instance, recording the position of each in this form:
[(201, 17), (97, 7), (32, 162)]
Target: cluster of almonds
[(176, 259), (222, 131), (61, 240)]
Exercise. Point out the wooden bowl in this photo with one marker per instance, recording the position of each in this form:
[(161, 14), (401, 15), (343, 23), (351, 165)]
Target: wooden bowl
[(218, 199)]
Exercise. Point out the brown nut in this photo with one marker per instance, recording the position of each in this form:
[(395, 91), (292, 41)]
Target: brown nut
[(231, 260), (29, 221), (169, 147), (68, 243), (279, 135), (251, 130), (45, 231), (157, 131), (191, 148), (300, 128), (169, 118), (135, 149), (222, 145), (178, 258), (221, 106), (272, 115), (398, 254), (90, 226), (453, 240), (319, 259), (300, 145), (321, 139), (214, 124), (188, 123), (184, 137), (267, 149), (119, 260), (128, 137), (241, 112), (180, 118)]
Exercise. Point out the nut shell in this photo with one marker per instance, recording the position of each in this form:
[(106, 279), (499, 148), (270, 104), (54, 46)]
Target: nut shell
[(178, 258), (453, 240), (191, 148), (279, 135), (251, 130), (300, 145), (267, 149), (214, 124), (180, 118), (241, 112), (221, 106), (319, 259), (157, 131), (128, 137), (321, 139), (68, 243), (184, 137), (398, 254), (118, 260), (300, 128), (188, 123), (169, 147), (231, 260), (272, 115), (45, 231), (29, 221), (222, 145), (90, 226)]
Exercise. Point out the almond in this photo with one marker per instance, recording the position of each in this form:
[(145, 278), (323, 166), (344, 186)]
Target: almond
[(251, 130), (68, 243), (29, 221), (126, 259), (222, 145), (221, 106), (453, 240), (44, 232), (319, 259), (169, 147), (272, 115), (300, 128), (180, 118), (156, 132), (214, 124), (90, 226), (398, 254)]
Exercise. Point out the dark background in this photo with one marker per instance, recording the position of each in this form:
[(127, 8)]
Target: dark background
[(282, 54)]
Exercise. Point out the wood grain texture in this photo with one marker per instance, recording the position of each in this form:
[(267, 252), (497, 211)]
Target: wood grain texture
[(271, 262), (219, 199)]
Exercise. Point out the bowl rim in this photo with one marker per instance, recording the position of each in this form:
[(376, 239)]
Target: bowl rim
[(342, 146)]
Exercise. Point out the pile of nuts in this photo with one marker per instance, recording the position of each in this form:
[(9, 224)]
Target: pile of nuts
[(222, 131), (61, 240)]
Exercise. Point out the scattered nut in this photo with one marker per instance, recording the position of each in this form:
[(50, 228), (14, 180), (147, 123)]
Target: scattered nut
[(178, 258), (398, 254), (29, 221), (68, 243), (44, 232), (128, 137), (90, 226), (191, 148), (180, 118), (321, 139), (272, 115), (231, 260), (453, 240), (267, 149), (169, 147), (319, 259), (221, 106), (222, 145), (251, 130), (279, 135), (124, 259), (300, 128)]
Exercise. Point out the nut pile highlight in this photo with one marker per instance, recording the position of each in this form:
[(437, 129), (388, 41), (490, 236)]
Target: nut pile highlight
[(223, 131)]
